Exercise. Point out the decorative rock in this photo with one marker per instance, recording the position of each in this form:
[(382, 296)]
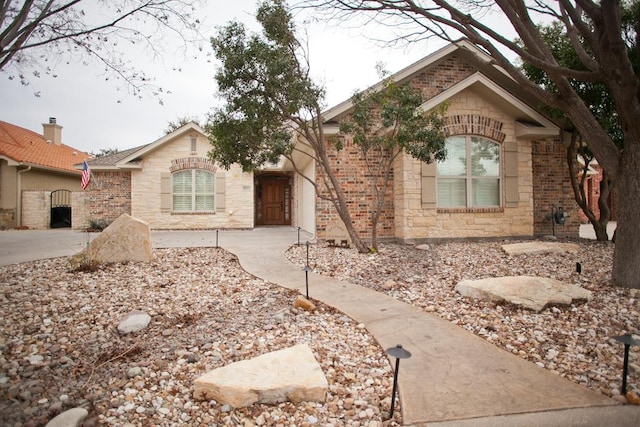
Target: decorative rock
[(534, 293), (304, 304), (126, 239), (35, 359), (71, 418), (291, 374), (537, 248), (423, 247), (134, 372), (133, 321)]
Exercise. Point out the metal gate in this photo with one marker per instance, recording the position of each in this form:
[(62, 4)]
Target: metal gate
[(60, 209)]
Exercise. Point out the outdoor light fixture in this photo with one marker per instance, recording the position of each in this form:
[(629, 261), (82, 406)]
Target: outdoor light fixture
[(399, 353), (557, 216), (216, 239), (307, 252), (628, 341), (307, 269), (298, 236)]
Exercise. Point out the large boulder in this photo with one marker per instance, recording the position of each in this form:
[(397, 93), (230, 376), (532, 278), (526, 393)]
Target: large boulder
[(292, 374), (534, 293), (126, 239)]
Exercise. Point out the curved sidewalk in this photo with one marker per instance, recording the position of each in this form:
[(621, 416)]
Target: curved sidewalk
[(453, 378)]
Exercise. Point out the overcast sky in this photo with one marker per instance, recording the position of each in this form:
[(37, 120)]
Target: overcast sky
[(96, 115)]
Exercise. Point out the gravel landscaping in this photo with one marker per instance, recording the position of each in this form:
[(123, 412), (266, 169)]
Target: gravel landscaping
[(60, 348), (573, 341)]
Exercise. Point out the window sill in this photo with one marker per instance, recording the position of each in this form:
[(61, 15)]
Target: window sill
[(471, 210), (193, 213)]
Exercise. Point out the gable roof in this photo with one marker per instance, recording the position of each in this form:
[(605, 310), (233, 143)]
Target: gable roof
[(20, 146), (128, 159), (489, 79)]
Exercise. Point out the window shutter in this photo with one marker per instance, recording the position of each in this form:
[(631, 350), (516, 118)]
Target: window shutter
[(165, 192), (220, 192), (512, 194), (428, 185)]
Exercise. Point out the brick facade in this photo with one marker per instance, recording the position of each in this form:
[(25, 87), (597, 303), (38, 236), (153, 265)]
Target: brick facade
[(533, 174), (109, 195), (551, 188), (350, 169)]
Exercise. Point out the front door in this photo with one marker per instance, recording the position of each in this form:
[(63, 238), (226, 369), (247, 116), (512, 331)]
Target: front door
[(273, 200)]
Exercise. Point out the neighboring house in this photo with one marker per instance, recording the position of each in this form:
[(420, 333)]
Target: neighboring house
[(592, 191), (37, 177), (505, 172)]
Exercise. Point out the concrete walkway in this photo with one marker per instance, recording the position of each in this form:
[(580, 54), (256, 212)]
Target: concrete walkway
[(453, 378)]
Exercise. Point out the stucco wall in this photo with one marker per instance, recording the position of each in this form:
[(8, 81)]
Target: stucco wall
[(146, 190)]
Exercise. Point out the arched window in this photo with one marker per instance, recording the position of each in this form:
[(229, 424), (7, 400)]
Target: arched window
[(470, 175), (193, 190)]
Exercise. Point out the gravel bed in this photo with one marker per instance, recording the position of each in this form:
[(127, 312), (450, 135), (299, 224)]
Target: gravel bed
[(573, 341), (59, 345)]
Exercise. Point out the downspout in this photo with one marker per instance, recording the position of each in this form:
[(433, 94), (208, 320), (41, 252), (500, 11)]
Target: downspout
[(19, 196)]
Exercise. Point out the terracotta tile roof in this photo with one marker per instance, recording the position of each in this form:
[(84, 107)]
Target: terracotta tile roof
[(28, 147)]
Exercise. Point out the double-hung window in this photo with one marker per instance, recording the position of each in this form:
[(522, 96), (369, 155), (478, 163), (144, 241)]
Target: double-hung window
[(193, 190), (470, 175)]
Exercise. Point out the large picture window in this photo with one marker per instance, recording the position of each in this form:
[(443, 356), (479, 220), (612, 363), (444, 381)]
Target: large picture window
[(470, 175), (193, 190)]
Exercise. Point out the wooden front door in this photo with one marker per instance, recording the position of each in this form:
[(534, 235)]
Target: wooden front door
[(275, 202)]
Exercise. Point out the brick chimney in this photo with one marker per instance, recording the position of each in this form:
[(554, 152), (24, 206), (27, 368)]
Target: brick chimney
[(52, 131)]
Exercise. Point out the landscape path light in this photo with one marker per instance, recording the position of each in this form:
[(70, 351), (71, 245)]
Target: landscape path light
[(298, 236), (307, 269), (628, 341), (399, 353)]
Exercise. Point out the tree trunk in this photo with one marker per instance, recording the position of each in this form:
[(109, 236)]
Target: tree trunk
[(626, 257), (603, 206), (579, 193)]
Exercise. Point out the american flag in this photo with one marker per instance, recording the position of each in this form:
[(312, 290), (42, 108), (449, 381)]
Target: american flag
[(86, 175)]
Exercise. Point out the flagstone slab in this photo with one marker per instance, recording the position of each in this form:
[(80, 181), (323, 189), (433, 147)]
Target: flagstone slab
[(538, 248), (292, 374), (534, 293)]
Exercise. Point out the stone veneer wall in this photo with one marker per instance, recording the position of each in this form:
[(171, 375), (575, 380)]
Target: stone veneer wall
[(109, 195), (36, 209), (467, 113), (146, 189), (80, 212), (7, 219), (551, 187)]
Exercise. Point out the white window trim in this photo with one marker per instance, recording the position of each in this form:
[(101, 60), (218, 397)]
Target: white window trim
[(469, 178), (193, 192)]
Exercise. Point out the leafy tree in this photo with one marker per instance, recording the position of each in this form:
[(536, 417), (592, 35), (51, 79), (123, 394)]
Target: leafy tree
[(273, 108), (386, 123), (37, 35), (596, 32)]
